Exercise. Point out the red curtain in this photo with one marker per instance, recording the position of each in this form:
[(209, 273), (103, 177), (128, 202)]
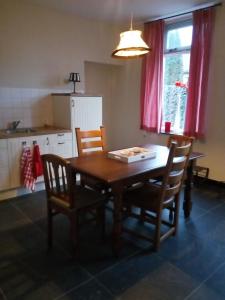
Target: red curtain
[(152, 77), (198, 74)]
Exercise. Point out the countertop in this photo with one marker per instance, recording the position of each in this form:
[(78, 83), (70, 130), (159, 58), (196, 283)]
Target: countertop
[(31, 131)]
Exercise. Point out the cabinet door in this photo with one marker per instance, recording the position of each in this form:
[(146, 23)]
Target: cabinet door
[(4, 165), (15, 147), (64, 149), (61, 144), (44, 143), (86, 114)]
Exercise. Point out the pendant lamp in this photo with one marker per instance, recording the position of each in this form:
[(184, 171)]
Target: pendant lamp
[(131, 44)]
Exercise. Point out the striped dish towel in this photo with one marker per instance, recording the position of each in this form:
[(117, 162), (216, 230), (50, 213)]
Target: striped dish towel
[(26, 167)]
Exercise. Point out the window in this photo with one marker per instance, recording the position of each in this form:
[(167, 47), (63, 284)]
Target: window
[(177, 45)]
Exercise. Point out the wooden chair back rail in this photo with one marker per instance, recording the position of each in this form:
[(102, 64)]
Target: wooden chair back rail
[(182, 150), (174, 178), (171, 191), (175, 168), (57, 173), (179, 139), (83, 144), (178, 165), (90, 134), (92, 144)]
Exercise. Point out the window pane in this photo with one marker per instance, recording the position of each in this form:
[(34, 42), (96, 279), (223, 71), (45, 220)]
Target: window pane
[(179, 37), (176, 72)]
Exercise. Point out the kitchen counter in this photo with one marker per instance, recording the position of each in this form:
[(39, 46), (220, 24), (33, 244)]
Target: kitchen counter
[(31, 131)]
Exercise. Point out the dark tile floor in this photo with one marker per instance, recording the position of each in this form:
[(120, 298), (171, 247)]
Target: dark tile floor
[(188, 266)]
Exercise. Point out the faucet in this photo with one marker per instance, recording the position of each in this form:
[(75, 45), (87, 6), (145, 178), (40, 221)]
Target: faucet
[(15, 124)]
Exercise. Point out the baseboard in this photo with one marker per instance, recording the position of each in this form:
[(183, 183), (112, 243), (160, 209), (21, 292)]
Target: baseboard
[(208, 181), (6, 195)]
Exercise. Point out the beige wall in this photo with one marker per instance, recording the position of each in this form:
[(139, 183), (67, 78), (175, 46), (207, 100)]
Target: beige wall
[(104, 79), (39, 47)]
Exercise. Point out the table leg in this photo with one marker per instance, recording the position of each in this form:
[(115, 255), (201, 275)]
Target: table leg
[(187, 205), (117, 190)]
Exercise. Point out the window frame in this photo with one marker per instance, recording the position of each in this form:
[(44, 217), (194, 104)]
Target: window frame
[(175, 24), (172, 26)]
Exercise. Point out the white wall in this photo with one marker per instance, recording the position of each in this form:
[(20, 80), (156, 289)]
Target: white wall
[(39, 48), (104, 80)]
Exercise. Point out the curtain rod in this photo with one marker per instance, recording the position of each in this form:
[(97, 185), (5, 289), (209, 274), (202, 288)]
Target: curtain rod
[(199, 7)]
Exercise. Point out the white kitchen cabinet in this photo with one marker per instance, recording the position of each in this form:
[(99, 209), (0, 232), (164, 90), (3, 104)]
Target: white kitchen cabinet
[(15, 146), (63, 145), (71, 111), (4, 165), (59, 144)]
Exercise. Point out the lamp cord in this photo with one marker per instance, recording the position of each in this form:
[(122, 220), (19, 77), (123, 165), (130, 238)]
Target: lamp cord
[(131, 21)]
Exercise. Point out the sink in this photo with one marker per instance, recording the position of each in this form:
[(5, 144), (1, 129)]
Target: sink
[(20, 130)]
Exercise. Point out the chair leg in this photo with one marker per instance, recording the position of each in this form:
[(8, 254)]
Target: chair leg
[(49, 225), (101, 220), (142, 215), (176, 214), (156, 244), (74, 230)]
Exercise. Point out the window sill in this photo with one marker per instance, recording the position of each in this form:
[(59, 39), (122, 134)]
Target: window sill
[(171, 132)]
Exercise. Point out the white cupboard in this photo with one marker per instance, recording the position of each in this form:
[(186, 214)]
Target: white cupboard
[(60, 144), (4, 165), (71, 111)]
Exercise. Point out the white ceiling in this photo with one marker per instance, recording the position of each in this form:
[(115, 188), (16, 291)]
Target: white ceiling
[(121, 10)]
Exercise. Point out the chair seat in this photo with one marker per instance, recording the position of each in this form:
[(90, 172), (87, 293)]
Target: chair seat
[(85, 198), (146, 197)]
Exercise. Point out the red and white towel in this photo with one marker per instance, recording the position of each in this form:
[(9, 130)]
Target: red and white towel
[(26, 167), (37, 162)]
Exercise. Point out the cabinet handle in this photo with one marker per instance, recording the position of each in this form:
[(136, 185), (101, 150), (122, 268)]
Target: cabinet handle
[(47, 141), (60, 134), (72, 103), (61, 143)]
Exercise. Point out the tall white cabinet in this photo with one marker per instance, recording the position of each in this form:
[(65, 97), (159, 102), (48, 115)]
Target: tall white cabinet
[(71, 111)]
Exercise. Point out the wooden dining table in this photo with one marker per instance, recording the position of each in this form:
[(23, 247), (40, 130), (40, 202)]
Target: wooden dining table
[(117, 175)]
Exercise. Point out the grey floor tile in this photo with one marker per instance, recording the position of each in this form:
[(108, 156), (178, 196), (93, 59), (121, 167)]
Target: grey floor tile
[(33, 205), (22, 240), (18, 281), (10, 217), (205, 293), (187, 266), (217, 281), (165, 282), (56, 266), (209, 226), (206, 198), (92, 290), (219, 211), (127, 273), (199, 258)]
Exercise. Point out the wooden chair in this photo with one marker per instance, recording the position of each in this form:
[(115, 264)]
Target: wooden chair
[(180, 140), (64, 196), (152, 198), (90, 141)]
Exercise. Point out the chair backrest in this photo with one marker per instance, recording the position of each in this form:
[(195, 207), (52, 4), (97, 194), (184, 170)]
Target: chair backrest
[(58, 179), (174, 174), (180, 140), (90, 141)]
